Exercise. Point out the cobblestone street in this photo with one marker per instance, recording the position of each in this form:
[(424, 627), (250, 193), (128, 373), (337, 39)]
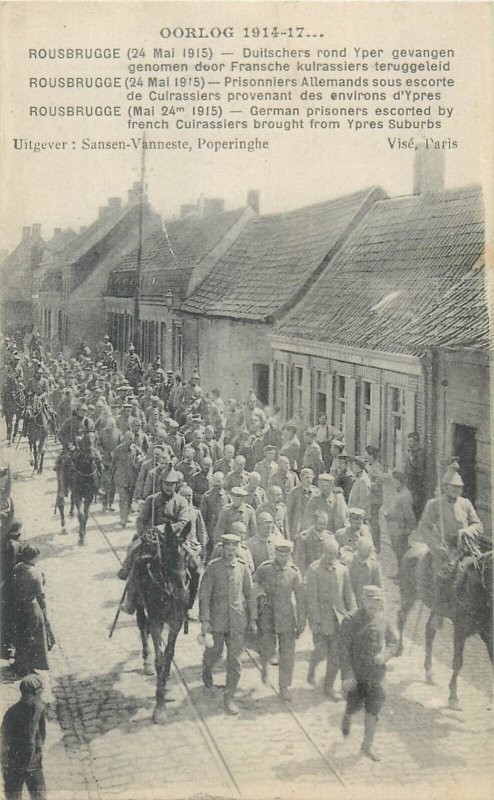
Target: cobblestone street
[(102, 742)]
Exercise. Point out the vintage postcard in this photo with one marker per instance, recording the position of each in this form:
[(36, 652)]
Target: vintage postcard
[(246, 484)]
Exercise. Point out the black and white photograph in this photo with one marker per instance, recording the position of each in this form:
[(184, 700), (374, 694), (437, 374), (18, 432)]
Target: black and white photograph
[(245, 452)]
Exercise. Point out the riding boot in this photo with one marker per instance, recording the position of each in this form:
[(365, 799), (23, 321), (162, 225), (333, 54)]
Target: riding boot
[(230, 704), (370, 726)]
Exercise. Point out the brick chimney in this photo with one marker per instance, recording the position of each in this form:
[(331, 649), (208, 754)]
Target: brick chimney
[(114, 203), (428, 170), (253, 199), (36, 231), (26, 233), (56, 232)]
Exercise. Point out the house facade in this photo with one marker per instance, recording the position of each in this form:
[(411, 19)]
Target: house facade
[(174, 254), (230, 312), (379, 345)]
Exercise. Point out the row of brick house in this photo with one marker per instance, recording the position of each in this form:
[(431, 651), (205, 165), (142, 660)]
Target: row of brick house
[(369, 308)]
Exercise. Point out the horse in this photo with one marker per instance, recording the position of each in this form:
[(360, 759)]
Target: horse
[(167, 579), (39, 425), (64, 472), (14, 406), (469, 605), (86, 477)]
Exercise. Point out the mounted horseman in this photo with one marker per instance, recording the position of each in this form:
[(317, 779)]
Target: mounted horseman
[(13, 396), (452, 573), (106, 353), (162, 569), (132, 367)]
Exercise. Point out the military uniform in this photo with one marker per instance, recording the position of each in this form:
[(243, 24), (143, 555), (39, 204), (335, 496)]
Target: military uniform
[(200, 483), (296, 506), (231, 514), (226, 604), (280, 517), (400, 521), (158, 510), (440, 525), (286, 481), (329, 597), (212, 503), (263, 549), (363, 573), (279, 618), (362, 639), (243, 553), (308, 547), (348, 538), (334, 506)]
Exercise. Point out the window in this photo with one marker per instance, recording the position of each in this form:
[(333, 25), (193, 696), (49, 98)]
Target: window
[(320, 398), (280, 385), (297, 390), (177, 346), (366, 433), (397, 426), (340, 405), (162, 348)]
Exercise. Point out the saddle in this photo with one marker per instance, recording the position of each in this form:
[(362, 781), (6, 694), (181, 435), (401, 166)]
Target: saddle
[(440, 590)]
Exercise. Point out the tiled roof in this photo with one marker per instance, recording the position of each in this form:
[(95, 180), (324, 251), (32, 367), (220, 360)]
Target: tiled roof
[(170, 253), (17, 269), (460, 318), (87, 238), (402, 262), (275, 256)]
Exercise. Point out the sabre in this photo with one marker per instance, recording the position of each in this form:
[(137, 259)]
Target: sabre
[(118, 610)]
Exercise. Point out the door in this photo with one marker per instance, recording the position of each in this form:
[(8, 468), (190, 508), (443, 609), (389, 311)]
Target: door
[(465, 450), (260, 376)]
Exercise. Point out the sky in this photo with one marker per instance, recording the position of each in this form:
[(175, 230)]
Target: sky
[(65, 188)]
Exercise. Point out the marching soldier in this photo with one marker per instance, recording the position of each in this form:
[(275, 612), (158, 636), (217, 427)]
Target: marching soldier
[(226, 609), (281, 588), (329, 599), (237, 510), (262, 545), (367, 642)]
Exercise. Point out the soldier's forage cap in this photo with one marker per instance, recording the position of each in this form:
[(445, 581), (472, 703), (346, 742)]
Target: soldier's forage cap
[(16, 357), (325, 476), (269, 448), (237, 491), (284, 547), (172, 476), (127, 405), (356, 512), (230, 538), (131, 347), (82, 409), (359, 460), (307, 471), (373, 592), (141, 390), (122, 388), (173, 425), (169, 372), (453, 478), (31, 684)]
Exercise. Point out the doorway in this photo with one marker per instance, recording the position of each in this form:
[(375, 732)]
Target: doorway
[(465, 449), (260, 380)]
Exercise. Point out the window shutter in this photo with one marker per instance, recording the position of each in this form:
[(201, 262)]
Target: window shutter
[(376, 414), (351, 384)]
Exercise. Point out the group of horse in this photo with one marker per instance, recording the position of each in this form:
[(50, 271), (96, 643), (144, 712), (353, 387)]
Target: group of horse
[(32, 417), (167, 573)]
